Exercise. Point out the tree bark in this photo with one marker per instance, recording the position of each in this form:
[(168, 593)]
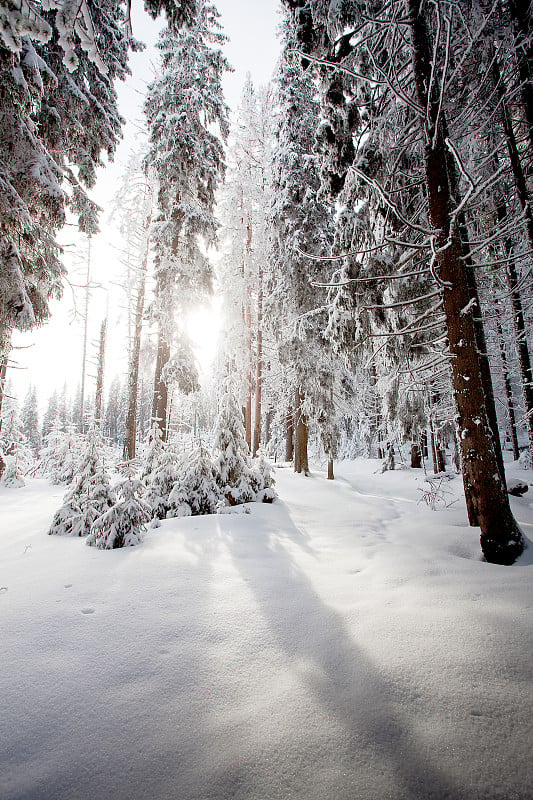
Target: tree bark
[(160, 401), (488, 502), (130, 427), (508, 392), (100, 376), (331, 476), (301, 461), (289, 435)]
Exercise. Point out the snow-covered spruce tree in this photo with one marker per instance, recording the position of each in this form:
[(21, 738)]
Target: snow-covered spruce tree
[(300, 222), (233, 469), (30, 421), (184, 108), (59, 114), (123, 524), (90, 494), (197, 490), (166, 472)]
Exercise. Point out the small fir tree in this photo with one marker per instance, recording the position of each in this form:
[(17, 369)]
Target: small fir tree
[(124, 523)]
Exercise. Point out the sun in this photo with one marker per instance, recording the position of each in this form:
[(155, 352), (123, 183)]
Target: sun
[(203, 326)]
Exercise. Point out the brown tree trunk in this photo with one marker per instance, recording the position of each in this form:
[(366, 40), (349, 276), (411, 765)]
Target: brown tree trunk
[(485, 490), (100, 376), (301, 462), (416, 456), (130, 428), (289, 435), (331, 476), (160, 401)]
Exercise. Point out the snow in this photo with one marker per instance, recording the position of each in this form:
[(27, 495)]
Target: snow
[(343, 643)]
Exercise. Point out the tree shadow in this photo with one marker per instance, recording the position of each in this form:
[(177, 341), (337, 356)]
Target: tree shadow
[(342, 678)]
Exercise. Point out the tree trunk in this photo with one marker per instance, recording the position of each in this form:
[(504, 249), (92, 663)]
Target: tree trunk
[(100, 376), (4, 358), (130, 427), (485, 490), (160, 401), (248, 325), (508, 392), (519, 328), (258, 367), (289, 435), (331, 476), (85, 330), (301, 462), (521, 16), (416, 456)]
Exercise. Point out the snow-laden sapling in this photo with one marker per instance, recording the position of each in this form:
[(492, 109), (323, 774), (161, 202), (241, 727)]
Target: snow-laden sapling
[(165, 474), (197, 491), (89, 495), (264, 472), (233, 469), (124, 523)]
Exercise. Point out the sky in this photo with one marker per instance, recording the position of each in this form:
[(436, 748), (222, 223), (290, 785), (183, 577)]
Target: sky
[(50, 356)]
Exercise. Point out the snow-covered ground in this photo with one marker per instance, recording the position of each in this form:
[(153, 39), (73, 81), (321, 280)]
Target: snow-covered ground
[(344, 643)]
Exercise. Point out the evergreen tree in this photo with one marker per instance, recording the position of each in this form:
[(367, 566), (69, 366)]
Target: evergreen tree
[(123, 524), (183, 108), (30, 421), (90, 493)]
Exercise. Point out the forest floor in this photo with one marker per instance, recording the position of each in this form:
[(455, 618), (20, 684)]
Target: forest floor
[(344, 643)]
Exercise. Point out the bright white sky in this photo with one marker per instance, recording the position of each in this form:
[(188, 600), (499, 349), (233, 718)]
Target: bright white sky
[(51, 356)]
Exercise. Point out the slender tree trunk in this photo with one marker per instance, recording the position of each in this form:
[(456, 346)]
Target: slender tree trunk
[(488, 502), (130, 427), (521, 16), (519, 328), (331, 476), (100, 376), (259, 367), (85, 329), (301, 462), (508, 392), (4, 358), (514, 153), (160, 401), (377, 412), (248, 324)]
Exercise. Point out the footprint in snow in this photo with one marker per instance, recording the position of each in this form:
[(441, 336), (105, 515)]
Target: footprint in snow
[(68, 586), (87, 610)]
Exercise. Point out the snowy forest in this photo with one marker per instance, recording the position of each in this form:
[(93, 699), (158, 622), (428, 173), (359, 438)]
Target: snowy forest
[(308, 515)]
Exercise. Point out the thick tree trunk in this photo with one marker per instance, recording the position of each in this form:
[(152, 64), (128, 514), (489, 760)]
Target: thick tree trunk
[(416, 456), (160, 400), (301, 461), (488, 502), (289, 435), (130, 427), (100, 376), (331, 476)]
